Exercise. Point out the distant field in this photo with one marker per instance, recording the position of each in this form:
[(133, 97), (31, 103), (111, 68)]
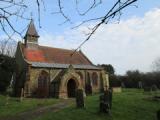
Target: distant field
[(128, 105), (131, 104)]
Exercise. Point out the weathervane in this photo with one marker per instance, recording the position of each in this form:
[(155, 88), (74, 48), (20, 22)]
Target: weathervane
[(31, 16)]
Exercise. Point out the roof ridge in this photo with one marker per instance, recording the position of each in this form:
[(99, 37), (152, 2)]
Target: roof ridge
[(85, 57), (58, 48), (56, 55)]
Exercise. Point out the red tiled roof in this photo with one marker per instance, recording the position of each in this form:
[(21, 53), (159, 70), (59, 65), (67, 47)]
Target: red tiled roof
[(54, 55), (34, 55)]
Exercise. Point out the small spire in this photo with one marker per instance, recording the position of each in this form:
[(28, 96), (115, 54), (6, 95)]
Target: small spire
[(31, 29), (31, 36)]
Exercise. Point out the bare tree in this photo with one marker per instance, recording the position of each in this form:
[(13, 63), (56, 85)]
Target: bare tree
[(11, 9), (3, 44), (7, 47), (14, 10)]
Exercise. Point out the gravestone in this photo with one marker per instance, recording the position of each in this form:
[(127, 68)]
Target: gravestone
[(154, 88), (106, 101), (21, 97), (110, 97), (8, 91), (7, 100), (122, 85), (140, 84), (158, 115), (147, 89), (104, 106), (80, 98)]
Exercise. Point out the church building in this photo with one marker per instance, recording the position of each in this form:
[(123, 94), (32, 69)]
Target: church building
[(43, 71)]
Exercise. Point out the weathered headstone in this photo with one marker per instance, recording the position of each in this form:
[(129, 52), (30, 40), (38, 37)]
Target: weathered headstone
[(122, 85), (106, 101), (147, 89), (154, 88), (101, 106), (80, 98), (110, 97), (158, 115), (21, 97), (140, 84), (104, 106), (7, 100), (8, 92)]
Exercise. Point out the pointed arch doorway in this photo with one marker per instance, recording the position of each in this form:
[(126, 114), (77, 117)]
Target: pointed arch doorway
[(71, 88)]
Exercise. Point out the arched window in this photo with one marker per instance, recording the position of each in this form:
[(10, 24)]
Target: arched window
[(88, 78), (43, 79), (95, 78), (88, 87), (43, 84)]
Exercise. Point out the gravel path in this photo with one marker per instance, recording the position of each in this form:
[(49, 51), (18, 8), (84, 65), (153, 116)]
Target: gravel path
[(29, 115)]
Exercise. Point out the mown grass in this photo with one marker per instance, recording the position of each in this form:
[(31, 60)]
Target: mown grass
[(128, 105), (131, 104), (13, 106)]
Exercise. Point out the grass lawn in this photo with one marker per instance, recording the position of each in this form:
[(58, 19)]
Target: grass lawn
[(131, 104), (14, 106), (128, 105)]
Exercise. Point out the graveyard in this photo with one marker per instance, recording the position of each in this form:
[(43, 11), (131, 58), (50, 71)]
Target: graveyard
[(130, 104), (79, 60)]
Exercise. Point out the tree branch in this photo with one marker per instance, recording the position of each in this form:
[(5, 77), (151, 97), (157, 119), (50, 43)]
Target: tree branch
[(106, 18)]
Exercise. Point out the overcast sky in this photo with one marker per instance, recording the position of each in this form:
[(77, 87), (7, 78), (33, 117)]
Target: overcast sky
[(131, 44)]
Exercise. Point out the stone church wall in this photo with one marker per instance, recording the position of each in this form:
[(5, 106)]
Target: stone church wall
[(20, 72), (95, 84)]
